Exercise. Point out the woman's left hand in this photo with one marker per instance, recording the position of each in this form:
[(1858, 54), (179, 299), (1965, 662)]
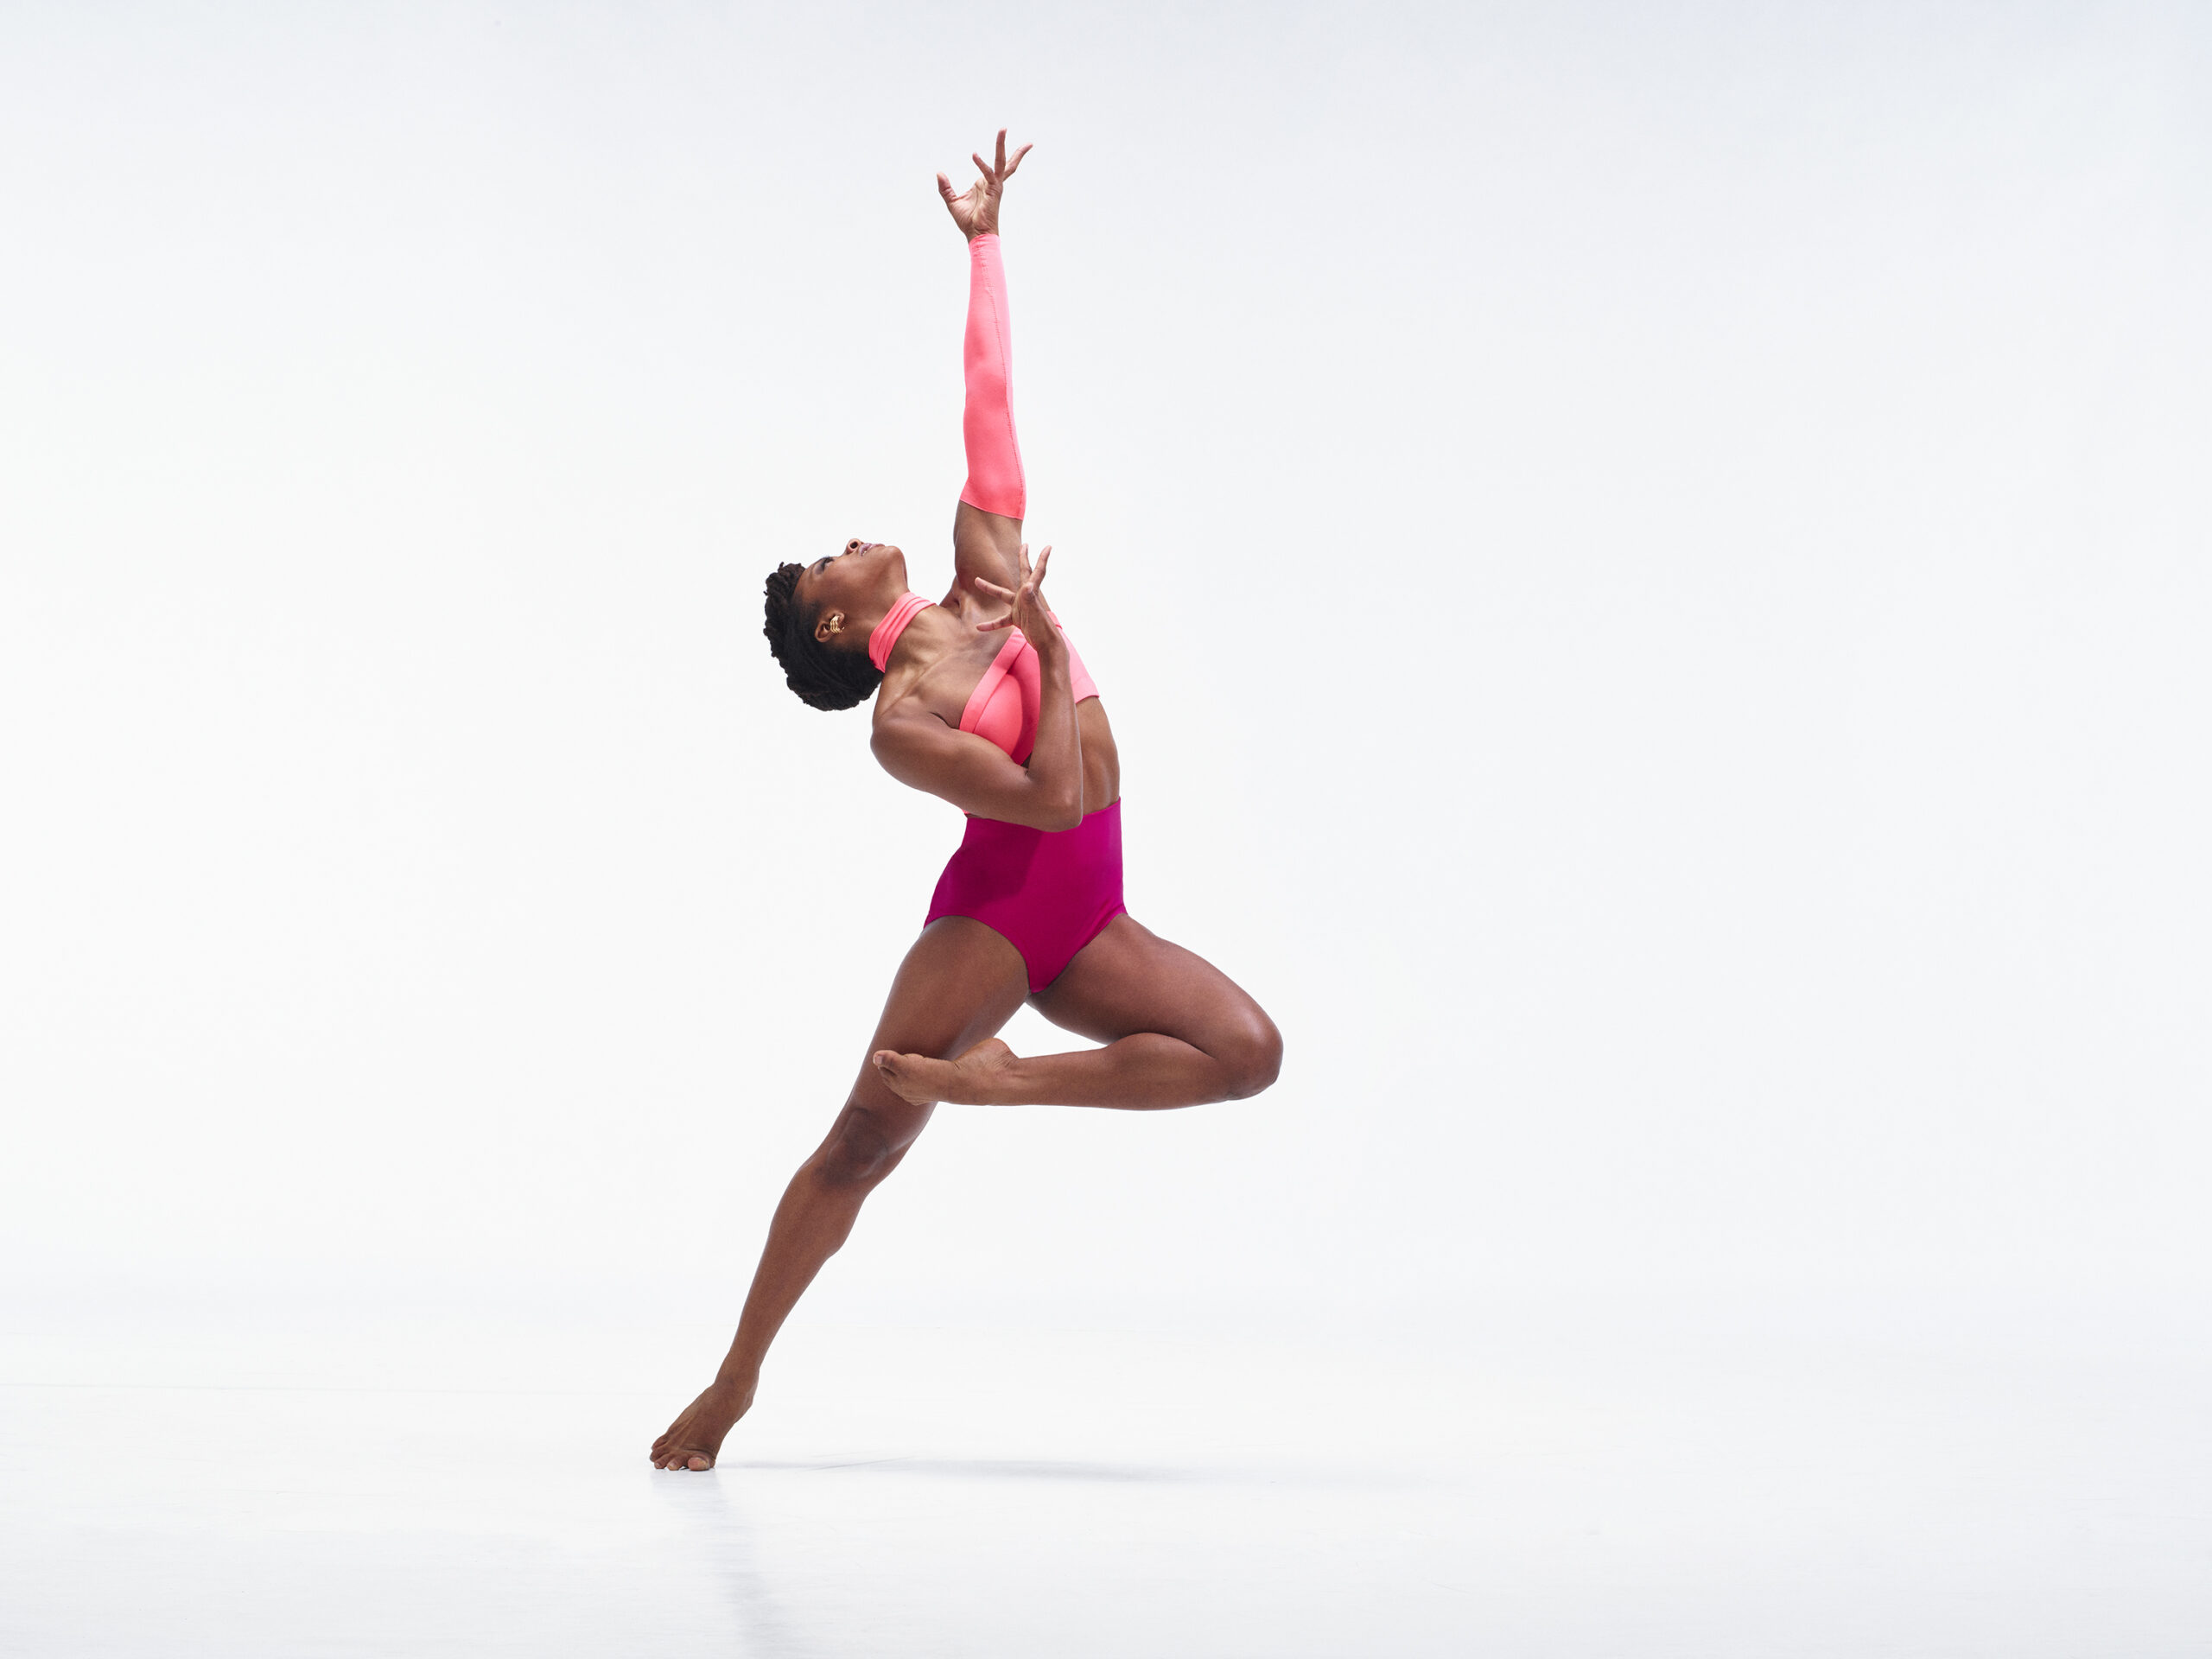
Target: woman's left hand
[(976, 213), (1029, 614)]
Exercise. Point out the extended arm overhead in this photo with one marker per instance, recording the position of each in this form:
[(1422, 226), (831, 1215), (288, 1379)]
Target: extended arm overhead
[(995, 483), (987, 526)]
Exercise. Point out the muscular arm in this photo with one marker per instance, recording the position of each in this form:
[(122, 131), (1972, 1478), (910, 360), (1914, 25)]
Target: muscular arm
[(987, 526), (976, 776)]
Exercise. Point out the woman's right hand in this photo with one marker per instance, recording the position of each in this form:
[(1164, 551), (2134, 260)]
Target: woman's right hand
[(976, 213), (1029, 614)]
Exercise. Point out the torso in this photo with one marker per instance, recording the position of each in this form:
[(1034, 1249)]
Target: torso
[(942, 691)]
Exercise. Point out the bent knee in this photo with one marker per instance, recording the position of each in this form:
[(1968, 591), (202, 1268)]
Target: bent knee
[(1251, 1055)]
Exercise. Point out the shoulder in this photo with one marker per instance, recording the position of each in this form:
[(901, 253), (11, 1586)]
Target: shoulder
[(902, 720)]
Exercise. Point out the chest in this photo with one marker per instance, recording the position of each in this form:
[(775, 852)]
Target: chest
[(994, 691), (997, 699)]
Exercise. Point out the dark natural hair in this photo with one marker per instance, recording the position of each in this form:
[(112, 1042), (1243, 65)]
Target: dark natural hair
[(824, 678)]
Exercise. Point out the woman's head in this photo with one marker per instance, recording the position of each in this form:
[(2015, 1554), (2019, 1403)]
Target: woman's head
[(821, 614)]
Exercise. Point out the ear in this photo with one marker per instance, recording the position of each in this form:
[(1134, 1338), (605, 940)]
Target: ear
[(831, 625)]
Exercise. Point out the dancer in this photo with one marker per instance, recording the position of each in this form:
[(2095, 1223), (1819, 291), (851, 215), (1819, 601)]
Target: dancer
[(981, 699)]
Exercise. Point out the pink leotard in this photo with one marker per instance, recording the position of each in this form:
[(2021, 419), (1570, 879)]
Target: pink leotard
[(1048, 892)]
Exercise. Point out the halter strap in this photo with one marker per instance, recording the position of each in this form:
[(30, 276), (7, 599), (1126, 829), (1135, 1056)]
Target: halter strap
[(886, 632)]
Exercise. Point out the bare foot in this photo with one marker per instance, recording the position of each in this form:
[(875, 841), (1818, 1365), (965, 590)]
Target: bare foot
[(978, 1077), (694, 1440)]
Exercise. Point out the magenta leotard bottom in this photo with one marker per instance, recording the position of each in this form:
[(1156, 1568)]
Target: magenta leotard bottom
[(1050, 892)]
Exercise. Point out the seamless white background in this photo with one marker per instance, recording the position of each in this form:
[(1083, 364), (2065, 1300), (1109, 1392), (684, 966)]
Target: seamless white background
[(1650, 565)]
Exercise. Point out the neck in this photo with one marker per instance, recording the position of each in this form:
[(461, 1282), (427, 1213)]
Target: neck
[(883, 639), (931, 634)]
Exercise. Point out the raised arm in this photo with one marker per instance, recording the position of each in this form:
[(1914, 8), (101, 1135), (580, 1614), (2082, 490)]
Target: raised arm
[(987, 526), (994, 486)]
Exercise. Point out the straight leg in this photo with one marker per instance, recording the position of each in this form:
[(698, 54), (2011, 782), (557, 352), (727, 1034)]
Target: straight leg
[(958, 984)]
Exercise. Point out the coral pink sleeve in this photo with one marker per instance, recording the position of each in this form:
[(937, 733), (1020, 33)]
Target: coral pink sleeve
[(994, 481)]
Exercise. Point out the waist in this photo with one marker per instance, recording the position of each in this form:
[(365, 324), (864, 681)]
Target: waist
[(1105, 822)]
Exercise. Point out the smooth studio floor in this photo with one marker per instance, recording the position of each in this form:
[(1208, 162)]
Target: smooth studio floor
[(1703, 1476)]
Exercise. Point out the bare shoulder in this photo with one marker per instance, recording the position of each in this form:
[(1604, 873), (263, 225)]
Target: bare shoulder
[(891, 713), (904, 723), (919, 747)]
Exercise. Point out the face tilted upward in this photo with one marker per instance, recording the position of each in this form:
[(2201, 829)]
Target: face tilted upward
[(851, 591)]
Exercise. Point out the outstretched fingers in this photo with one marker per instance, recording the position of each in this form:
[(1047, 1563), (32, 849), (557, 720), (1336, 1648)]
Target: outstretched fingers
[(976, 210), (999, 171), (1030, 591)]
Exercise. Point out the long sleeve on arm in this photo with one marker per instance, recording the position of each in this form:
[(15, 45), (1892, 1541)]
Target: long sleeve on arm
[(995, 480)]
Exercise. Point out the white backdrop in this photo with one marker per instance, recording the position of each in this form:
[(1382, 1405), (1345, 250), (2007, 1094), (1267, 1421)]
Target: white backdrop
[(1650, 565)]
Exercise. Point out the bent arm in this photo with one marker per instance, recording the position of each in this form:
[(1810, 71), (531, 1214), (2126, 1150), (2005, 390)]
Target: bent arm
[(986, 529), (976, 776)]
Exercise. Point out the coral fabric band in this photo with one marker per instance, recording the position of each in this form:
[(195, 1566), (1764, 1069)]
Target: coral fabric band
[(884, 638), (994, 479)]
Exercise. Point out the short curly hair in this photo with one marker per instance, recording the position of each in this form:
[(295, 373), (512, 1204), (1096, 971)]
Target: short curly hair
[(823, 679)]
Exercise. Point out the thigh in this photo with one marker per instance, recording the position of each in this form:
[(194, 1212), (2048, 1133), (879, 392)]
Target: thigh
[(959, 983), (1129, 979)]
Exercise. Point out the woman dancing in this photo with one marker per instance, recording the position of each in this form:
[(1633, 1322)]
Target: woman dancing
[(980, 699)]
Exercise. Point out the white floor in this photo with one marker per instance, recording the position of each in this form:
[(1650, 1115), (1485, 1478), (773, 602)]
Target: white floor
[(1697, 1475)]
